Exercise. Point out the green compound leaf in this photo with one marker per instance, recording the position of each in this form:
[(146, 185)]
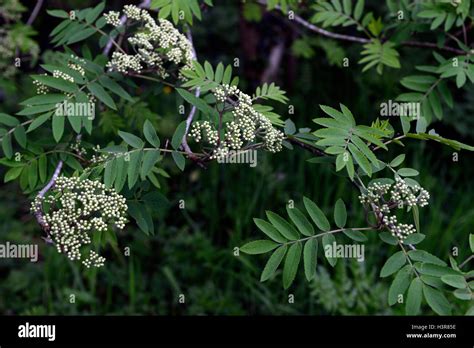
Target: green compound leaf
[(58, 127), (399, 285), (393, 264), (316, 214), (150, 134), (436, 300), (328, 241), (358, 236), (310, 258), (285, 228), (269, 230), (273, 262), (424, 256), (301, 222), (258, 247), (456, 281), (340, 213), (131, 140), (414, 297), (291, 264)]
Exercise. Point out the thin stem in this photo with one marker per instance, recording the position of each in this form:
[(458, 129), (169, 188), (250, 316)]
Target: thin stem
[(14, 128), (197, 93), (35, 12), (391, 141), (359, 39), (38, 213), (144, 77), (409, 260), (466, 261), (314, 150), (329, 232)]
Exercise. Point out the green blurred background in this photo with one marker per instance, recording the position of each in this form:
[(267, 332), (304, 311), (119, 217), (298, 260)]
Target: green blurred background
[(191, 252)]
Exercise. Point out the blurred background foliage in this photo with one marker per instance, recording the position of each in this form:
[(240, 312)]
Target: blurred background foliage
[(191, 251)]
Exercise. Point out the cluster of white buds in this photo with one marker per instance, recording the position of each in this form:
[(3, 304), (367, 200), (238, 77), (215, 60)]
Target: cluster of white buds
[(112, 18), (400, 231), (220, 152), (94, 260), (375, 192), (156, 42), (40, 87), (399, 195), (246, 126), (132, 12), (78, 68), (78, 149), (204, 129), (384, 197), (223, 92), (99, 156), (78, 208), (123, 62), (61, 75), (409, 195)]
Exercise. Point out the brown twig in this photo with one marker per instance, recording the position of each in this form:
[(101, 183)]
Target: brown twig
[(314, 150)]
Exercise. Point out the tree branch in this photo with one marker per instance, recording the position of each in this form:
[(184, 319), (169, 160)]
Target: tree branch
[(191, 114), (38, 213), (359, 39), (35, 12), (314, 150)]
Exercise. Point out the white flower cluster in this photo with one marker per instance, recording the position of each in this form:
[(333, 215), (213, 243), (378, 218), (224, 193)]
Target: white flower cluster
[(78, 208), (246, 126), (61, 75), (385, 197), (400, 194), (98, 156), (112, 18), (40, 87), (133, 12), (77, 148), (123, 62), (155, 43), (94, 260), (204, 128), (400, 231), (410, 196), (78, 68)]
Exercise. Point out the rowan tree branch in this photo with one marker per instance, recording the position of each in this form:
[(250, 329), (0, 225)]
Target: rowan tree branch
[(191, 114), (35, 12), (38, 213), (359, 39)]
